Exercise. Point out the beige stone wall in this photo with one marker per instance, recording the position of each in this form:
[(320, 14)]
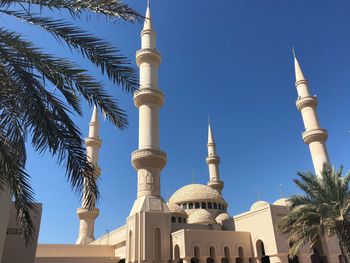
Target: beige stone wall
[(15, 249)]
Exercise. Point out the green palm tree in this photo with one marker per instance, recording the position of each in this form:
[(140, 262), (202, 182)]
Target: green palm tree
[(322, 211), (39, 91)]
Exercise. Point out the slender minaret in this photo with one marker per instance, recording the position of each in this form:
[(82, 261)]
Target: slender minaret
[(87, 217), (213, 161), (314, 135), (148, 224)]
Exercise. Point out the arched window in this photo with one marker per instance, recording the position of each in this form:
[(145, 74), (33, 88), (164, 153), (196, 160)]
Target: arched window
[(184, 220), (179, 219), (196, 252), (215, 206), (176, 252), (204, 205), (212, 252), (173, 219), (260, 249), (210, 205), (190, 206), (219, 206), (184, 206), (196, 205), (241, 252), (157, 244), (227, 252)]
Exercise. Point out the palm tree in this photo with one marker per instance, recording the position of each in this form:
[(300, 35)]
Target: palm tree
[(322, 211), (39, 91)]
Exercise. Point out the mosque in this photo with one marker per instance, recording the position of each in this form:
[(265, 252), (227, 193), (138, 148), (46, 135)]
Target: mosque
[(194, 225)]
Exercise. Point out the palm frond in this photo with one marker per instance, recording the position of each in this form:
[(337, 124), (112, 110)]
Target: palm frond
[(98, 51), (61, 73), (112, 8)]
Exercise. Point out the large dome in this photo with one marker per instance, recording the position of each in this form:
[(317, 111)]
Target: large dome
[(196, 192)]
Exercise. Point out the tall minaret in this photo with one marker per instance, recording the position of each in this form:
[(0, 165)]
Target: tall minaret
[(87, 217), (148, 224), (213, 161), (314, 135)]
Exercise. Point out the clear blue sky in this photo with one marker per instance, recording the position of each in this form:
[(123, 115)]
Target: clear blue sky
[(231, 60)]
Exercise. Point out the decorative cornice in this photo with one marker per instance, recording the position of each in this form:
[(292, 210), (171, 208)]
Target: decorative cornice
[(309, 101), (148, 55), (299, 82), (313, 135), (148, 157), (147, 31), (148, 96)]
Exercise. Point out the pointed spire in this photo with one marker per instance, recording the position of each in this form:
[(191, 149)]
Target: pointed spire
[(148, 18), (94, 117), (210, 133), (299, 75), (94, 124)]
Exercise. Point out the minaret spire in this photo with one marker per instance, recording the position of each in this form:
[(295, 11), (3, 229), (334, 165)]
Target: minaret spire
[(213, 161), (145, 241), (314, 135), (87, 217)]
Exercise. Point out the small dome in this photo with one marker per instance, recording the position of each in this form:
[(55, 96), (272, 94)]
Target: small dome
[(282, 202), (176, 209), (196, 192), (222, 217), (259, 204), (200, 216)]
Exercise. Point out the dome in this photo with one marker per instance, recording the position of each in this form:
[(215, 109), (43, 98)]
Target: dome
[(282, 202), (200, 216), (176, 209), (259, 204), (222, 217), (196, 192)]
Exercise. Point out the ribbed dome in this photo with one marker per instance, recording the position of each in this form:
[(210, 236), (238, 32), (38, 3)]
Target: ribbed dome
[(259, 204), (176, 209), (282, 202), (200, 216), (196, 192), (222, 217)]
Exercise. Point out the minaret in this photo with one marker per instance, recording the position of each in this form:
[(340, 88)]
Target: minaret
[(314, 135), (213, 161), (148, 224), (87, 217)]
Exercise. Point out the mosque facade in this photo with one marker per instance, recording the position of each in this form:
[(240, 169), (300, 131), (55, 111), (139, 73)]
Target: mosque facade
[(194, 225)]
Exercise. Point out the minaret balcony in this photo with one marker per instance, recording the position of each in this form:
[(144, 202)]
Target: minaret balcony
[(148, 96), (148, 157), (314, 135), (93, 142), (85, 213), (148, 55), (309, 101), (213, 160)]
